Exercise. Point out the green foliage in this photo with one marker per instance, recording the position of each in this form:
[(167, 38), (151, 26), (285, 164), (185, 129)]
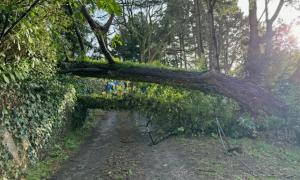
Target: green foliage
[(130, 64), (85, 86), (35, 114), (33, 104), (116, 41), (111, 6), (290, 93), (170, 109), (11, 74), (33, 37), (277, 128), (248, 126), (34, 101), (144, 37)]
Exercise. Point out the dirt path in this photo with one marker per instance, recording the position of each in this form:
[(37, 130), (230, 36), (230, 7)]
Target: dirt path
[(118, 149)]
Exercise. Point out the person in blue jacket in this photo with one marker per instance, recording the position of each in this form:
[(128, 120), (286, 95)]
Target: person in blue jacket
[(112, 86)]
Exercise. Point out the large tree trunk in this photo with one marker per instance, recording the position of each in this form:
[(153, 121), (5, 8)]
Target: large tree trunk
[(258, 61), (214, 61), (250, 96), (198, 27), (254, 60)]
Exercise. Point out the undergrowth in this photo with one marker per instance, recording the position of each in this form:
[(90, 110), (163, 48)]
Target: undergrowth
[(170, 109)]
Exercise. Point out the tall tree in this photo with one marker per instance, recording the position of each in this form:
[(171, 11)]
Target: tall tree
[(259, 60), (214, 53), (139, 27), (198, 18), (99, 31)]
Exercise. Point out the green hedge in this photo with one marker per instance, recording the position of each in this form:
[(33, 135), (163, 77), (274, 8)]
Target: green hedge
[(34, 114)]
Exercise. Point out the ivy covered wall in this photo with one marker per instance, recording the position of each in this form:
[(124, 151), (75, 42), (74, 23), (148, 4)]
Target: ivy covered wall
[(34, 116)]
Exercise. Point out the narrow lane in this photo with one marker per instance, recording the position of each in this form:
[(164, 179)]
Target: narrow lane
[(118, 149)]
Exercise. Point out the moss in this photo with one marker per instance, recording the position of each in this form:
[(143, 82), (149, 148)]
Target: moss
[(129, 64)]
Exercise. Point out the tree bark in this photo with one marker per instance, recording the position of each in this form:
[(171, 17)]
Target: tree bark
[(80, 40), (253, 64), (99, 31), (258, 61), (250, 96), (198, 27), (214, 61), (269, 29), (76, 29)]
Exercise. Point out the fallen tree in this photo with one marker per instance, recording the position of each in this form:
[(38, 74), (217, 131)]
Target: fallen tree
[(249, 95)]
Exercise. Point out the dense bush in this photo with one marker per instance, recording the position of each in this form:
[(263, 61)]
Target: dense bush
[(279, 129), (86, 86), (285, 128), (171, 109)]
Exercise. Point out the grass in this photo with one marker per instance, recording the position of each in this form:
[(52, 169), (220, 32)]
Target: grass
[(267, 161), (44, 168), (272, 159)]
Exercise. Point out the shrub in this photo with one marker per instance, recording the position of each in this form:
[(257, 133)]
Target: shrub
[(171, 109)]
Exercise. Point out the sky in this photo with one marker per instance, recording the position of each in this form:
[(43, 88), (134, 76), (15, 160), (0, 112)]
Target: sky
[(288, 14)]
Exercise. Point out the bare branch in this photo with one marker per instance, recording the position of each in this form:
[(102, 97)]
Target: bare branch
[(278, 9), (108, 23)]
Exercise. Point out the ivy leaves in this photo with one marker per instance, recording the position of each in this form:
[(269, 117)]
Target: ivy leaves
[(111, 6), (10, 74), (36, 114)]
